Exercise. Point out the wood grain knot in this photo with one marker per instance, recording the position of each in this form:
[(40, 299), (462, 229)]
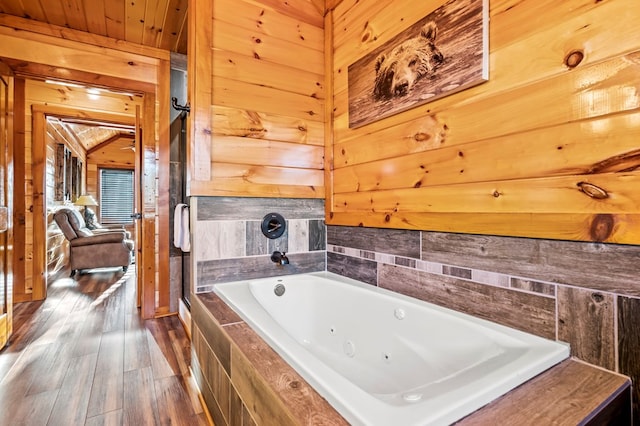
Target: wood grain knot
[(387, 218), (602, 227), (597, 297), (574, 58), (294, 384), (592, 190), (496, 193), (421, 137)]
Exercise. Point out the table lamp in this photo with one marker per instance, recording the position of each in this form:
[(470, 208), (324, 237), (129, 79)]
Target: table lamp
[(86, 200)]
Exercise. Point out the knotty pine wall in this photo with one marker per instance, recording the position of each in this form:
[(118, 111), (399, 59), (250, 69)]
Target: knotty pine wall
[(256, 72), (40, 93), (517, 155)]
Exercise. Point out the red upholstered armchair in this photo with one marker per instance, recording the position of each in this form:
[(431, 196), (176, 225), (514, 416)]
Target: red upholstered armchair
[(89, 249)]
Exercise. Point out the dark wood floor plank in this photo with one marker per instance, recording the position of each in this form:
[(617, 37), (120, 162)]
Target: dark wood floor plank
[(107, 389), (85, 357), (73, 399), (173, 403), (139, 408), (33, 410), (163, 358), (113, 418), (136, 349)]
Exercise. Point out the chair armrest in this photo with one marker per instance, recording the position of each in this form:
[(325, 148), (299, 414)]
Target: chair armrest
[(127, 234), (101, 238)]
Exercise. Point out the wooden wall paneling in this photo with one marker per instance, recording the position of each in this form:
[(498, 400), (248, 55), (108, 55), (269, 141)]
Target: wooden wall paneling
[(568, 148), (233, 179), (174, 30), (38, 162), (247, 73), (270, 23), (236, 94), (598, 194), (97, 17), (501, 67), (161, 207), (257, 71), (329, 150), (135, 13), (252, 124), (114, 15), (20, 179), (238, 150), (299, 10), (200, 92), (505, 73), (147, 265), (618, 228), (541, 85), (154, 20), (473, 118)]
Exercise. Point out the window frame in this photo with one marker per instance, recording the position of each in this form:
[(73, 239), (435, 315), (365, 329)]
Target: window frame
[(131, 171)]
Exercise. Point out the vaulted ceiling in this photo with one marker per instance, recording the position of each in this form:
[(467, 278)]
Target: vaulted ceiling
[(155, 23)]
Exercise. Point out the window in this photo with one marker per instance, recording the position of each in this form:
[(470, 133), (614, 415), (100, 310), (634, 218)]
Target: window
[(116, 196)]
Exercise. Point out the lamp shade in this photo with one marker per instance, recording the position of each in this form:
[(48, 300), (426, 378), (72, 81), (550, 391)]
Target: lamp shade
[(86, 200)]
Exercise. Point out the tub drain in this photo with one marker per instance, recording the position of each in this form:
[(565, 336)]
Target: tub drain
[(279, 289)]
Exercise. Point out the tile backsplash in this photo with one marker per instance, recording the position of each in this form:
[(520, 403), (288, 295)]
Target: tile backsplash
[(228, 243)]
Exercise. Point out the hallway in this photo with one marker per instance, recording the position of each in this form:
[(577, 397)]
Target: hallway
[(85, 357)]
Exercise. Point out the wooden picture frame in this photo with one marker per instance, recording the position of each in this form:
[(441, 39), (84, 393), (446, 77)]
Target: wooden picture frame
[(441, 54)]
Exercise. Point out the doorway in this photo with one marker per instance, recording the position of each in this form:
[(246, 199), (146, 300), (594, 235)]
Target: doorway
[(91, 165), (6, 198), (145, 230)]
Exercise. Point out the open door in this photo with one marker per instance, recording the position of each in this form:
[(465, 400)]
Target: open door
[(6, 198), (137, 215)]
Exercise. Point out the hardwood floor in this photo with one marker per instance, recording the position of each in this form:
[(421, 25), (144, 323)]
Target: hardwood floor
[(85, 357)]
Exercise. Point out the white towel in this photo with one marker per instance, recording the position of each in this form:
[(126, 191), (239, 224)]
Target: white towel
[(186, 233), (181, 228)]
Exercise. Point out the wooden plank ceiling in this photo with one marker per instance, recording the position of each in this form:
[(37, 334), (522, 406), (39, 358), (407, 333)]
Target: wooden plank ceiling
[(155, 23)]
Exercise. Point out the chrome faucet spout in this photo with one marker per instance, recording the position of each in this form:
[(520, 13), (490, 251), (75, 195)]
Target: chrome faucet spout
[(279, 258)]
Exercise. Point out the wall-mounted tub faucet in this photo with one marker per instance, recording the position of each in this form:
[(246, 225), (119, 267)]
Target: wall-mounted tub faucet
[(279, 258)]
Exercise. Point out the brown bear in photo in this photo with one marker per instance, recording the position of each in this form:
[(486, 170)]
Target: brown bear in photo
[(398, 70)]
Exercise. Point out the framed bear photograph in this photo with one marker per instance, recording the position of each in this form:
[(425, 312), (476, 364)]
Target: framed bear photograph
[(441, 54)]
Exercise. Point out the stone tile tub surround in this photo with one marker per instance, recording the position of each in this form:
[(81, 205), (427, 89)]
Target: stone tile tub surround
[(228, 244), (587, 294)]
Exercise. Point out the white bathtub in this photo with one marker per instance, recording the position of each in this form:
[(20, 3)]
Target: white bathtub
[(380, 358)]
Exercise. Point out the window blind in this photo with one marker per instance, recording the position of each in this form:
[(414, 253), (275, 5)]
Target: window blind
[(116, 196)]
